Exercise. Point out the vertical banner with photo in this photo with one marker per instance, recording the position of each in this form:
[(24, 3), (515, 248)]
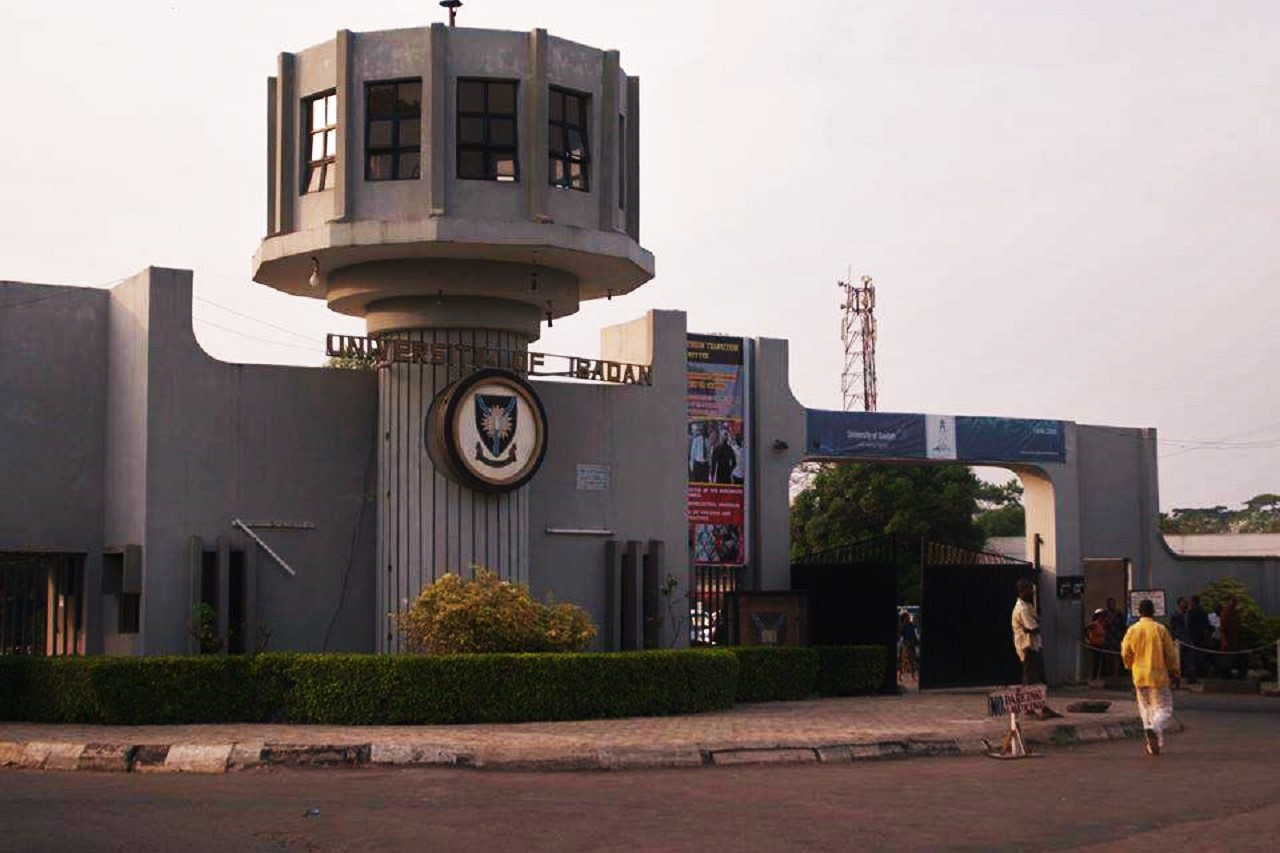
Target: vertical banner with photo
[(717, 448)]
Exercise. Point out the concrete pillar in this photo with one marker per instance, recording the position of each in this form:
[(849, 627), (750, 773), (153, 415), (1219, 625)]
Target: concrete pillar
[(428, 524)]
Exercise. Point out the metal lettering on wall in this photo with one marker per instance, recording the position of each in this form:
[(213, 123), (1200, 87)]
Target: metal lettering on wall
[(385, 351)]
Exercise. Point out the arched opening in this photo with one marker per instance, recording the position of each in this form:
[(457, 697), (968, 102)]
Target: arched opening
[(892, 552)]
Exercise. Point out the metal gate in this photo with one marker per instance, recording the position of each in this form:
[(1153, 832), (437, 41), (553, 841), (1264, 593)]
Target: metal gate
[(41, 603), (853, 595), (965, 634), (710, 619)]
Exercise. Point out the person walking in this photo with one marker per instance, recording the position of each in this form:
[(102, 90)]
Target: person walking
[(1027, 641), (908, 647), (1148, 652)]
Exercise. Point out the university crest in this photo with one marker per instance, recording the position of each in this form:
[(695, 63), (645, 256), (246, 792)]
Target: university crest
[(495, 416)]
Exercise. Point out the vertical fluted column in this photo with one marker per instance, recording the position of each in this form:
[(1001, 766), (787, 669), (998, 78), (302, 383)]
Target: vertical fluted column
[(427, 523)]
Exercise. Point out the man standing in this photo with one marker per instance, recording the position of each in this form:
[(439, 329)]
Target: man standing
[(1027, 642), (1232, 631), (1201, 632), (1180, 628), (1148, 652)]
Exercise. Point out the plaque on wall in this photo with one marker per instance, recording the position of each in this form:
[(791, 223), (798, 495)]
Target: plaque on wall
[(772, 618)]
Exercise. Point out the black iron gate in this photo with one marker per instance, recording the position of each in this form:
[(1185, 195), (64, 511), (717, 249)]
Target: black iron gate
[(853, 595), (41, 598), (965, 635), (710, 619)]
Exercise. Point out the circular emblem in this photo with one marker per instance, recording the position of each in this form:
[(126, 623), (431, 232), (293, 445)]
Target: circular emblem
[(487, 431)]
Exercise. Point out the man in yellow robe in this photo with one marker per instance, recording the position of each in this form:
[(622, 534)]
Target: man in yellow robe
[(1148, 652)]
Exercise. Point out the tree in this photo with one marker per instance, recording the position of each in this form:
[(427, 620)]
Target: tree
[(850, 501), (1000, 510), (1215, 519), (349, 362)]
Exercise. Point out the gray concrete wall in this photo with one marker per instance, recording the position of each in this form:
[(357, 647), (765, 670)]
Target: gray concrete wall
[(777, 417), (52, 404), (637, 432), (227, 441), (53, 363)]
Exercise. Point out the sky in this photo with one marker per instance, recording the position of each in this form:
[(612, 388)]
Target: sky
[(1069, 209)]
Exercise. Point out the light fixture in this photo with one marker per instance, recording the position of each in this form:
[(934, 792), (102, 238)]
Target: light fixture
[(549, 315), (314, 280)]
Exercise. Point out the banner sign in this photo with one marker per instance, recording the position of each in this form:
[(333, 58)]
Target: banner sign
[(717, 450), (884, 435), (1018, 699)]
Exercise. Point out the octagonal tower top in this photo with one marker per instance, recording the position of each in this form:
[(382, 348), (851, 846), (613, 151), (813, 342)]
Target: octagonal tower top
[(425, 176)]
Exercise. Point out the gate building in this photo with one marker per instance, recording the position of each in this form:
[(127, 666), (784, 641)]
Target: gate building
[(457, 188)]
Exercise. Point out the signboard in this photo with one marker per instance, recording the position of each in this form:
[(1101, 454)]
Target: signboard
[(717, 443), (1157, 597), (1070, 586), (487, 431), (1016, 699), (593, 478), (885, 435)]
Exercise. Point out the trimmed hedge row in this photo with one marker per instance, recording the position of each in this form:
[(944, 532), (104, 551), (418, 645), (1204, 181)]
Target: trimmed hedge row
[(777, 673), (355, 689), (352, 689)]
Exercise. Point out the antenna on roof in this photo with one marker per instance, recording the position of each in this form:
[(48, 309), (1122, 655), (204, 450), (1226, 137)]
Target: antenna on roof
[(452, 6)]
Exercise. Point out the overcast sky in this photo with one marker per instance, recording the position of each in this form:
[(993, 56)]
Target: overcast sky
[(1069, 209)]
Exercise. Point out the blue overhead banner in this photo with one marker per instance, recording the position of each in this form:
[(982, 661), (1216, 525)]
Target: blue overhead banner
[(885, 435)]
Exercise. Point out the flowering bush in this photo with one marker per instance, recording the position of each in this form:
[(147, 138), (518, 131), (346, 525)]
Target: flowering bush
[(488, 614)]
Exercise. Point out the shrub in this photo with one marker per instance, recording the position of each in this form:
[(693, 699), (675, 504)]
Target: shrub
[(1252, 619), (850, 670), (775, 673), (487, 614), (354, 689)]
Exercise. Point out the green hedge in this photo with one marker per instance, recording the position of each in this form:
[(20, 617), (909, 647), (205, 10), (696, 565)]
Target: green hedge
[(348, 689), (778, 673), (366, 689), (850, 670)]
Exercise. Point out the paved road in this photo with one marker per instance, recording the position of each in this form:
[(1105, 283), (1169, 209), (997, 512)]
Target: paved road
[(1217, 788)]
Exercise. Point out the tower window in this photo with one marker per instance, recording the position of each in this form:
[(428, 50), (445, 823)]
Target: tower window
[(320, 142), (487, 130), (393, 130), (568, 151)]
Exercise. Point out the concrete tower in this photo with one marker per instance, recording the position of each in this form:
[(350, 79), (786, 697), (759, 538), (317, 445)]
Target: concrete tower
[(456, 188)]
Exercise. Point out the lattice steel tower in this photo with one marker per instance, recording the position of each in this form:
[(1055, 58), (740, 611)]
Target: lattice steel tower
[(858, 333)]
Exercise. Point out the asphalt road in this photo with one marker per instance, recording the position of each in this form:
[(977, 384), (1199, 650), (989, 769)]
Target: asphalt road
[(1216, 788)]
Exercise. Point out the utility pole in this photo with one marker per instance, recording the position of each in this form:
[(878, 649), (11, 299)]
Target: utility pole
[(858, 333)]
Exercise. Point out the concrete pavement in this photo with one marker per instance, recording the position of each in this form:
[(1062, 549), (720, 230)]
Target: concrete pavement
[(816, 731)]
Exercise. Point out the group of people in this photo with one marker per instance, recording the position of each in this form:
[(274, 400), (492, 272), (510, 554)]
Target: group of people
[(1200, 633), (717, 453), (1103, 636), (1146, 649)]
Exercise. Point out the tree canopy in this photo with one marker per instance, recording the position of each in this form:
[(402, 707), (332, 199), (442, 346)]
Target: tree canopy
[(1260, 514), (851, 501)]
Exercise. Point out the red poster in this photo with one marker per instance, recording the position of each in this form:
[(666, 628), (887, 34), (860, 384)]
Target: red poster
[(717, 445)]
